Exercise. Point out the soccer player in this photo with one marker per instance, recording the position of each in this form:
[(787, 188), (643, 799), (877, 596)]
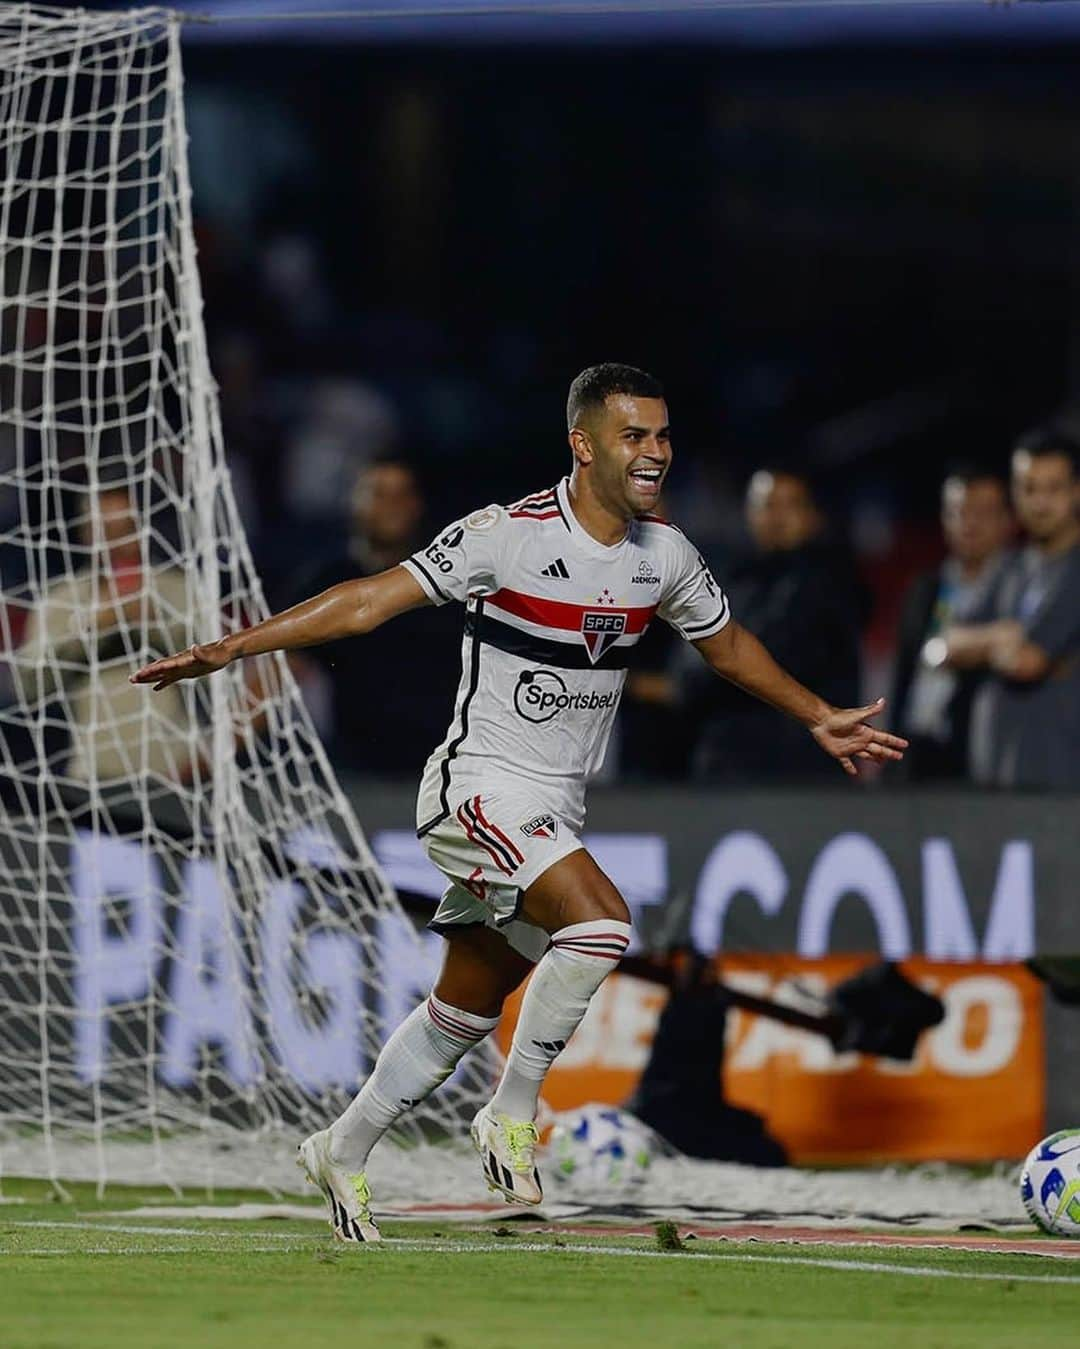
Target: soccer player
[(558, 589)]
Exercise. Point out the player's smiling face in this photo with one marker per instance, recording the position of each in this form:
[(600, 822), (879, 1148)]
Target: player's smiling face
[(630, 442)]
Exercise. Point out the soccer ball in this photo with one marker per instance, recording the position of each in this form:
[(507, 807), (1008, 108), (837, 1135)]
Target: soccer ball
[(600, 1151), (1050, 1184)]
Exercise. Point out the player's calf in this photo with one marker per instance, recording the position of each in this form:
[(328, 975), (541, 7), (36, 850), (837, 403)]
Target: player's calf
[(580, 958), (419, 1056), (504, 1134), (590, 929)]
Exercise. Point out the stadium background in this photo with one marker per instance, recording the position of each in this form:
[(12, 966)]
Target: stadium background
[(844, 247), (841, 246)]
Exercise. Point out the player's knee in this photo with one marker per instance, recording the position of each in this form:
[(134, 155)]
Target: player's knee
[(601, 901), (480, 972), (476, 998)]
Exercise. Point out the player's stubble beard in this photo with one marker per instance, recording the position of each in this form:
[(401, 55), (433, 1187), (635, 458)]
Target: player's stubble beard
[(612, 486)]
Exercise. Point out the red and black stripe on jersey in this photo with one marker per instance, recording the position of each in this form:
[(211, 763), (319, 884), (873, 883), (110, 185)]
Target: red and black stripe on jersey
[(545, 497), (541, 510), (560, 644), (539, 506)]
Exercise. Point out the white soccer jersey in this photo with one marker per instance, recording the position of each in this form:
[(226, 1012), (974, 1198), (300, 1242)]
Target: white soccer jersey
[(552, 617)]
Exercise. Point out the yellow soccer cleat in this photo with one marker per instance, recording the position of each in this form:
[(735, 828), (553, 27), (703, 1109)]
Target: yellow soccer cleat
[(507, 1149)]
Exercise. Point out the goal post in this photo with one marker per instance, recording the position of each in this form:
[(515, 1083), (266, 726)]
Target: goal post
[(199, 956)]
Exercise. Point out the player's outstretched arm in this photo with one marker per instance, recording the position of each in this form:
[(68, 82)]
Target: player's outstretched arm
[(843, 733), (345, 610)]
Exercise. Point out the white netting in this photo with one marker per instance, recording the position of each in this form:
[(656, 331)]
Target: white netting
[(198, 955)]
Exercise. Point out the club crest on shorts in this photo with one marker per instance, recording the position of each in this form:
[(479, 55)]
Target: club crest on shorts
[(541, 826), (601, 631)]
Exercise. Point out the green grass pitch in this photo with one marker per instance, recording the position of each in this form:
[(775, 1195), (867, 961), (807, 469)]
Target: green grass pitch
[(90, 1275)]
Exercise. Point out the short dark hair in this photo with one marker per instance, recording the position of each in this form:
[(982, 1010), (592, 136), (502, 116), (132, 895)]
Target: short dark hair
[(784, 468), (594, 386), (969, 471), (1045, 442), (392, 458)]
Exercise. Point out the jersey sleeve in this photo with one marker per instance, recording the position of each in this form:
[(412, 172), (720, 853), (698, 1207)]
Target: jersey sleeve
[(693, 602), (462, 559)]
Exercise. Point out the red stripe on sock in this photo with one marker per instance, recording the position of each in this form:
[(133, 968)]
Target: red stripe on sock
[(593, 951), (460, 1030), (585, 938), (591, 946)]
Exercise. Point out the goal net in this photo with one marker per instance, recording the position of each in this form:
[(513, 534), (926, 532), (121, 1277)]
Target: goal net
[(199, 957)]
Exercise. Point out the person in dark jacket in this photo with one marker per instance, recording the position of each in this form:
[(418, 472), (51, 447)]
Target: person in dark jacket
[(932, 704), (392, 691), (1025, 722), (798, 594)]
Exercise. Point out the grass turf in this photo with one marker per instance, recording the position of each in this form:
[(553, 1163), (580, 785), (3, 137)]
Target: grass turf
[(86, 1275)]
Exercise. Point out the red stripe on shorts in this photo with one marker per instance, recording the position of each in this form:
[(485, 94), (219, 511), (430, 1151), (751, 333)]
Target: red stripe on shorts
[(475, 837), (494, 829)]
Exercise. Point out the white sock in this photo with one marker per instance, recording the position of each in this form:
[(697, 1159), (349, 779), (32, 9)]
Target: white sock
[(421, 1054), (580, 958)]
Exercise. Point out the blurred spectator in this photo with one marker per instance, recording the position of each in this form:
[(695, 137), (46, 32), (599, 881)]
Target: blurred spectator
[(1025, 724), (347, 423), (91, 629), (931, 705), (392, 690), (292, 273), (797, 592)]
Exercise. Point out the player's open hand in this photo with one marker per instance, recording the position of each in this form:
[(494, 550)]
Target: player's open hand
[(193, 663), (845, 735)]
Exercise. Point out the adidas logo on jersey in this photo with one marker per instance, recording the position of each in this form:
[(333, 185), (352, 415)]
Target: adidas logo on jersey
[(556, 569)]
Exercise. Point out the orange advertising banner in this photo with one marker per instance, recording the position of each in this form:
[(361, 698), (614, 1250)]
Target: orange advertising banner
[(975, 1090)]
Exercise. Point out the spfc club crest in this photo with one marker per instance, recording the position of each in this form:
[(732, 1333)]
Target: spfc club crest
[(601, 631), (541, 826)]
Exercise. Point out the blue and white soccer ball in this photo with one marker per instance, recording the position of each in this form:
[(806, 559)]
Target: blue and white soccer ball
[(1050, 1184), (600, 1151)]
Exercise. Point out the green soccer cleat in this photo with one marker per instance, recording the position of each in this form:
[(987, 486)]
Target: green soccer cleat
[(507, 1148), (347, 1196)]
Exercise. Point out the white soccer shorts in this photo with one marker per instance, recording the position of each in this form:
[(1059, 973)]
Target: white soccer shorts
[(491, 848)]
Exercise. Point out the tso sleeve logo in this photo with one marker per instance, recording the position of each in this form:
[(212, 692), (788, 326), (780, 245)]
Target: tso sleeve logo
[(540, 695), (601, 631)]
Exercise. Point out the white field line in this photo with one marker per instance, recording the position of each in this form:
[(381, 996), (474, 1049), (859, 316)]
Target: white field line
[(818, 1262), (133, 1250), (136, 1229), (536, 1248)]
